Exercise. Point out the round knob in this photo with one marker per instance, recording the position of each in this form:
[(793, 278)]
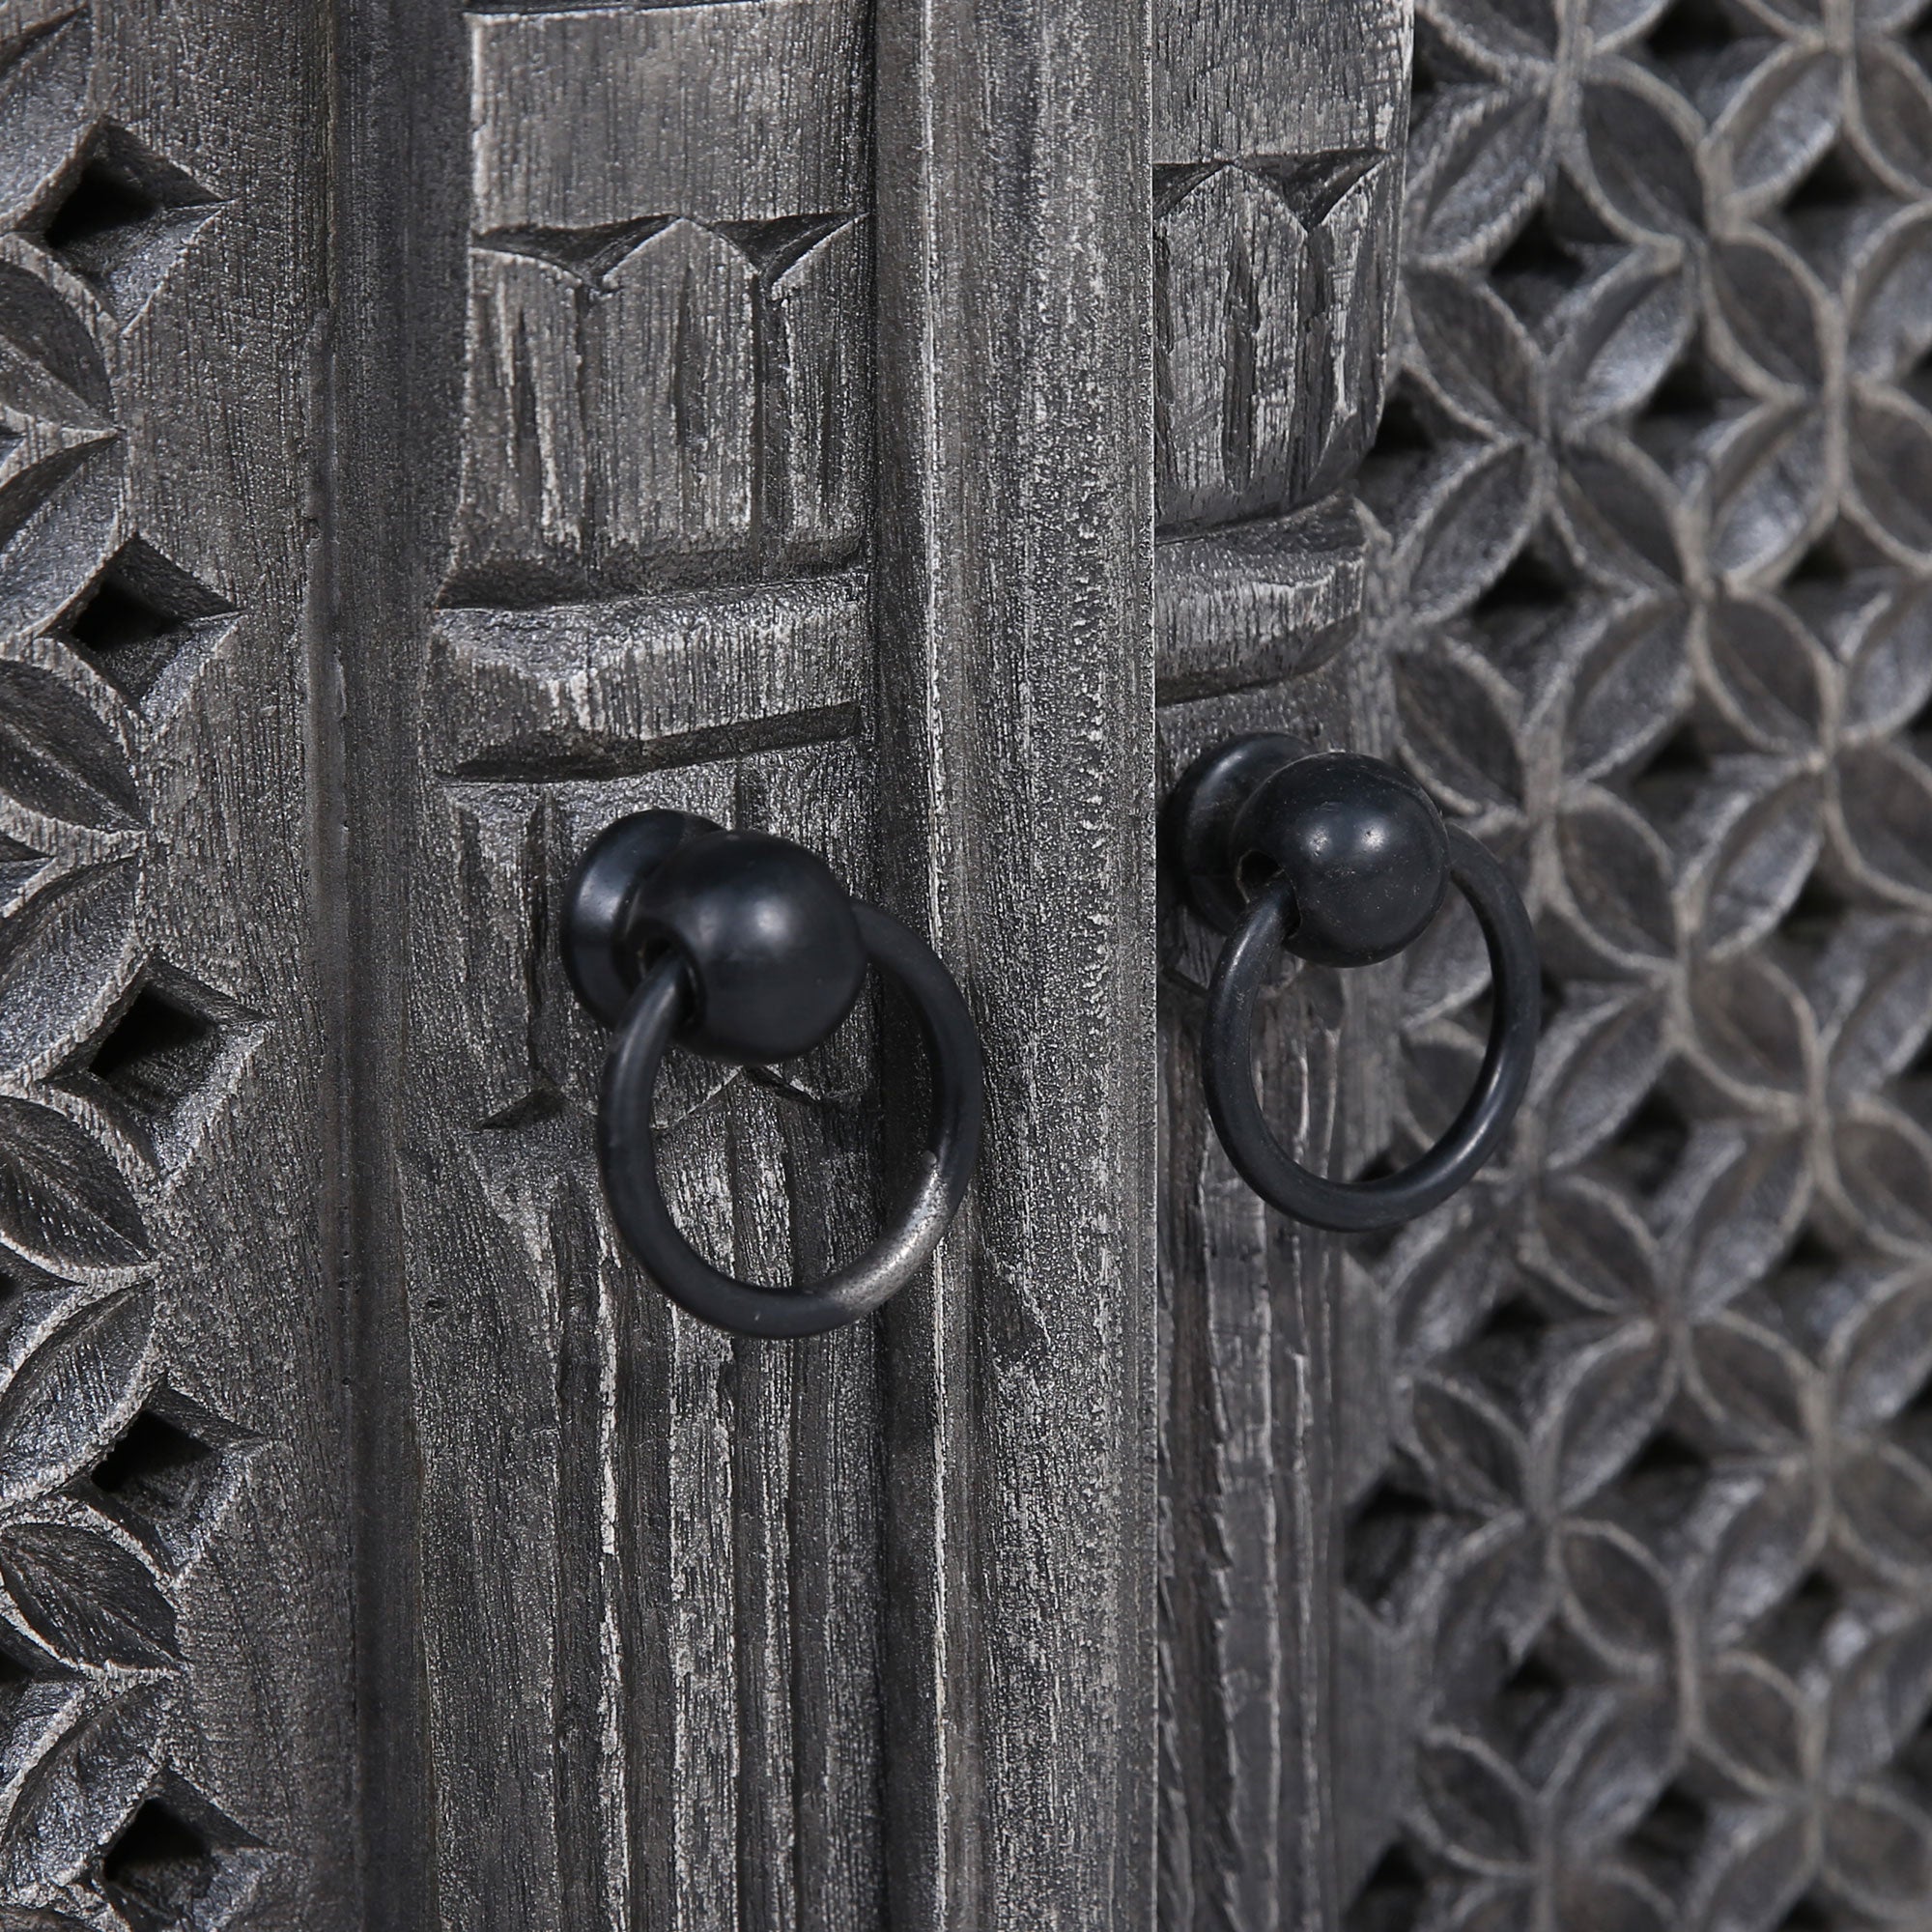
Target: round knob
[(746, 948), (769, 936), (1359, 845), (1344, 861)]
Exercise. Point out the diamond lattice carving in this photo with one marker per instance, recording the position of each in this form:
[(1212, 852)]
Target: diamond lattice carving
[(146, 625), (1641, 1551), (120, 216)]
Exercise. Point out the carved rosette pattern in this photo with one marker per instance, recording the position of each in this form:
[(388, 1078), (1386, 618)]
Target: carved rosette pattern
[(112, 1060), (1640, 1569)]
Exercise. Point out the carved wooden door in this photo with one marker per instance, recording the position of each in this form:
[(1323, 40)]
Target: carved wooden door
[(919, 428)]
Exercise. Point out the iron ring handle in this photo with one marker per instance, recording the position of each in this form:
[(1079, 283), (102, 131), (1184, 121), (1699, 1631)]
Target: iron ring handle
[(761, 954), (1345, 861)]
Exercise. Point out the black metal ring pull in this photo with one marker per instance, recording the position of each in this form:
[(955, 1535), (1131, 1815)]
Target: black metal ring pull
[(1342, 860), (747, 949)]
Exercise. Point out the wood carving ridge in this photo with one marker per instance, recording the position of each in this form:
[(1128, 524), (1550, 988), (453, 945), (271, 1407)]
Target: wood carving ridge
[(1258, 603)]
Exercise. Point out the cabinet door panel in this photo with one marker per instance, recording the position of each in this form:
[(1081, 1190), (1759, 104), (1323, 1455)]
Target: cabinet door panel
[(816, 1635), (1278, 148)]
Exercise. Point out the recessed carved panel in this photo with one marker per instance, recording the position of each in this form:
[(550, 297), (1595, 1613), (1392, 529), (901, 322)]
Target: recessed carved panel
[(1637, 1556), (668, 345)]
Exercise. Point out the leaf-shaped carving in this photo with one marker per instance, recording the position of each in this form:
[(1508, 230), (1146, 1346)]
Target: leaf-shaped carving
[(1885, 793), (1755, 1724), (1752, 1382), (1478, 352), (1595, 1250), (1496, 36), (1884, 1163), (1763, 840), (1888, 679), (1769, 306), (1611, 23), (1891, 448), (1606, 1404), (1752, 1031), (1892, 303), (1758, 1871), (1446, 1281), (1769, 486), (60, 1406), (1878, 1853), (1879, 1699), (62, 1203), (1641, 151), (43, 70), (1470, 1445), (76, 1797), (1616, 1762), (1495, 1599), (1778, 123), (1618, 873), (1883, 1355), (1475, 170), (58, 954), (1619, 510), (1598, 1059), (1763, 1531), (1733, 1208), (1454, 714), (1628, 690), (1881, 970), (1449, 965), (86, 1598), (57, 758), (1617, 1600), (1476, 1802), (1895, 103), (1769, 674), (1475, 519), (1884, 1502), (1636, 325)]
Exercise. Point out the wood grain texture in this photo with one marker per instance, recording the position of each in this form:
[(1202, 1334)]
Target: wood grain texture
[(666, 1540), (1277, 131), (1017, 711), (175, 1738)]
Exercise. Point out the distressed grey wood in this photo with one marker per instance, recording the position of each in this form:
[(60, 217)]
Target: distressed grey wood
[(1278, 135), (697, 1631), (918, 428), (667, 1541), (1634, 1434), (176, 1739), (1016, 709)]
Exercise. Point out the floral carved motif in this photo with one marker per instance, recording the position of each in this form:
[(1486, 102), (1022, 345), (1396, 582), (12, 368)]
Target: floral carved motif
[(111, 1059), (1642, 1481)]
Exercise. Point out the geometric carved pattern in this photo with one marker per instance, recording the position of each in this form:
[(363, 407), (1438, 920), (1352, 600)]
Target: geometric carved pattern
[(111, 1063), (119, 216), (1270, 281), (658, 396), (1636, 1432)]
